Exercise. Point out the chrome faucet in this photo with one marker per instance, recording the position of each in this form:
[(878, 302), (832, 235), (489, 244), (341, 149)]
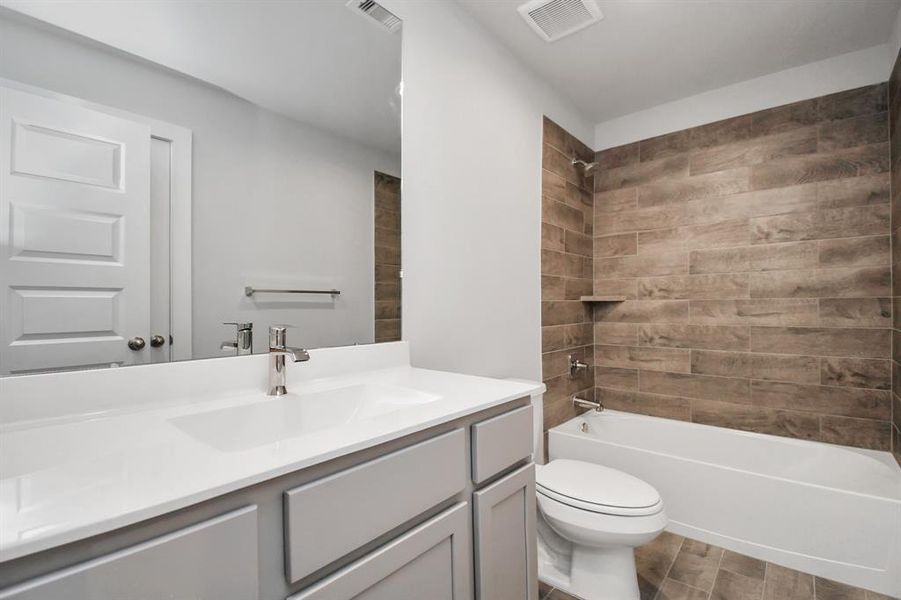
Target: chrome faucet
[(576, 365), (582, 403), (243, 343), (277, 353)]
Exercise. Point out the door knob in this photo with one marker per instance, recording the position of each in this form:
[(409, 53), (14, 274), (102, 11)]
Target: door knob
[(136, 343), (156, 341)]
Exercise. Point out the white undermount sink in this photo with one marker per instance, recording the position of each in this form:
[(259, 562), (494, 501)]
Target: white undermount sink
[(292, 415)]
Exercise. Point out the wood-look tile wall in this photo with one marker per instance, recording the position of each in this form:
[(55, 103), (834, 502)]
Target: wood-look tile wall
[(756, 258), (895, 136), (566, 271), (387, 258)]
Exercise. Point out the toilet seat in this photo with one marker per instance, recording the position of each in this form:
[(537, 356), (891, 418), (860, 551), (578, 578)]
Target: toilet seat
[(597, 489)]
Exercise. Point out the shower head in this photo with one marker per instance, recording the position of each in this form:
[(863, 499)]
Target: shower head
[(587, 167)]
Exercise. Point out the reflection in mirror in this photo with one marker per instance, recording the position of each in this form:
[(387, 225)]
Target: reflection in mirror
[(178, 176)]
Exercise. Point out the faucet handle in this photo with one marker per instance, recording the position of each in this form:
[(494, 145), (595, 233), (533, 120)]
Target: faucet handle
[(240, 326), (277, 335)]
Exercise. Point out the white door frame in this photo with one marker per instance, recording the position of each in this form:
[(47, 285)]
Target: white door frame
[(181, 140)]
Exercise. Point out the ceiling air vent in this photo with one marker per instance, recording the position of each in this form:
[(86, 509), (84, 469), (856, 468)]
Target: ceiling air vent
[(554, 19), (376, 12)]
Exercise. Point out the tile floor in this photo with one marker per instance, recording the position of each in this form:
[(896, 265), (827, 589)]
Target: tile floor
[(676, 568)]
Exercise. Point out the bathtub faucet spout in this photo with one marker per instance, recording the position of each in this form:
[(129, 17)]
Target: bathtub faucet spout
[(581, 403)]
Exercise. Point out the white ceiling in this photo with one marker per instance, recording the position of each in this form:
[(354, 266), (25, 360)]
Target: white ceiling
[(311, 60), (649, 52)]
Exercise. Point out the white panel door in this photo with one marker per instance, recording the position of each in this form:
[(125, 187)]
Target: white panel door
[(75, 236)]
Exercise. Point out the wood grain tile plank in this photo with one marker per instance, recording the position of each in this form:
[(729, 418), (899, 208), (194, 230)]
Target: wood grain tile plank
[(769, 311), (561, 312), (861, 160), (755, 151), (552, 288), (670, 407), (619, 156), (822, 341), (688, 385), (857, 191), (636, 357), (723, 364), (852, 103), (627, 288), (616, 334), (623, 244), (641, 266), (823, 224), (785, 423), (769, 257), (822, 283), (616, 378), (643, 311), (839, 401), (855, 312), (856, 252), (615, 201), (734, 232), (552, 237), (667, 191), (577, 243), (717, 133), (759, 203), (854, 131), (662, 146), (856, 372), (726, 285), (785, 367), (701, 337), (784, 118), (641, 173)]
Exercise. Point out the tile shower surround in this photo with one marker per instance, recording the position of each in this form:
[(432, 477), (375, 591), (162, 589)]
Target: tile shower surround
[(755, 255), (567, 217), (387, 258), (894, 93)]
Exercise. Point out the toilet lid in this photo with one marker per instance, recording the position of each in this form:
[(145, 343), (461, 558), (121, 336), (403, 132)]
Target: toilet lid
[(597, 488)]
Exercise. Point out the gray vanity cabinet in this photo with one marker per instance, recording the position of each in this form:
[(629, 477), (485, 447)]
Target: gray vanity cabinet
[(348, 509), (506, 563), (212, 559), (446, 513), (433, 562)]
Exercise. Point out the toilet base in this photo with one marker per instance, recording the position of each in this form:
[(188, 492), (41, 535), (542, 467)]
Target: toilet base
[(605, 573)]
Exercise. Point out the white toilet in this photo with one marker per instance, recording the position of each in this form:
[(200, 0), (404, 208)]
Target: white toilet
[(591, 519)]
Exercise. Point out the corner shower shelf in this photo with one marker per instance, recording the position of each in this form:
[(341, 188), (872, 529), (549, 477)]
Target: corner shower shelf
[(603, 298)]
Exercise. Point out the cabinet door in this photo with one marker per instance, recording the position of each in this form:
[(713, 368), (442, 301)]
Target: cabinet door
[(433, 561), (505, 543), (213, 560)]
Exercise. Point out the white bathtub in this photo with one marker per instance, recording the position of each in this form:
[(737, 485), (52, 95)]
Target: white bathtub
[(823, 509)]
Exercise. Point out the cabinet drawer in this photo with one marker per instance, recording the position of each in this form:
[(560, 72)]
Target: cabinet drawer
[(330, 517), (432, 561), (500, 442), (213, 560)]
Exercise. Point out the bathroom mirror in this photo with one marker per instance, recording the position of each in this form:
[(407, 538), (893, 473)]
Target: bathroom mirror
[(173, 171)]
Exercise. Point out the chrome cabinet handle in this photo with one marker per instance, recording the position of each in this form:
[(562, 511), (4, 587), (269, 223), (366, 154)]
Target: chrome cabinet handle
[(156, 341), (136, 343)]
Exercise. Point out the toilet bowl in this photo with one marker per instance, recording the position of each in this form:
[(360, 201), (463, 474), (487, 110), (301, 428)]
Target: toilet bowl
[(603, 514), (590, 520)]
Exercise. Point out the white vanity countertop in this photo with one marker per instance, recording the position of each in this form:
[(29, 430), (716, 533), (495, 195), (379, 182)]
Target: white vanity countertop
[(67, 478)]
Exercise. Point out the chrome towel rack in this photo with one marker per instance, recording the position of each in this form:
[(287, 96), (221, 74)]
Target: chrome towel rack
[(250, 291)]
